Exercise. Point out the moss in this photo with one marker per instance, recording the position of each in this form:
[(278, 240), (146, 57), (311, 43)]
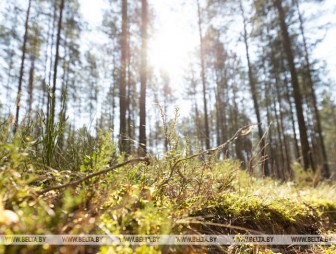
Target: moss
[(203, 197)]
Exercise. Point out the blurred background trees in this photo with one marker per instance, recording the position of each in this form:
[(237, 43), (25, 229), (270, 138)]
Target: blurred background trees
[(254, 64)]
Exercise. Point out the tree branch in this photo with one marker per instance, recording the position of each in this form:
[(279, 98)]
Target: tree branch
[(241, 132), (78, 181)]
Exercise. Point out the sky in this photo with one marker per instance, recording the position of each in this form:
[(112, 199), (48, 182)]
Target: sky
[(176, 21), (326, 50), (177, 36)]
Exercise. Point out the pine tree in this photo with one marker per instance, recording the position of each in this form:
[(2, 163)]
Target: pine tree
[(143, 78)]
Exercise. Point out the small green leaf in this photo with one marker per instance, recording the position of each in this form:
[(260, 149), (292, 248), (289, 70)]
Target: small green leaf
[(83, 168)]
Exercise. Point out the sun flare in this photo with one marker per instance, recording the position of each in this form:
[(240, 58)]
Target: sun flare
[(171, 47)]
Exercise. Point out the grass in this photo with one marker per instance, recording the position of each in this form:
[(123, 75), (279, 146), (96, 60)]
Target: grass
[(202, 197)]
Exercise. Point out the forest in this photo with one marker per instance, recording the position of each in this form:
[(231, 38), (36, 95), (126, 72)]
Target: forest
[(190, 117)]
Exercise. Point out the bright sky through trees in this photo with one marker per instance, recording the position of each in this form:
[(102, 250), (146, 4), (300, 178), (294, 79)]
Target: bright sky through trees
[(176, 33), (175, 38), (224, 64)]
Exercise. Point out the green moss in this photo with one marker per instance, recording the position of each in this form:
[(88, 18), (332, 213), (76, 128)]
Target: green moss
[(199, 197)]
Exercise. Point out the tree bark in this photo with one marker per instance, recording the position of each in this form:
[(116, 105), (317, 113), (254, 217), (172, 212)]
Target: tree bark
[(51, 60), (317, 122), (23, 58), (254, 92), (291, 112), (143, 79), (306, 153), (58, 43), (206, 121), (51, 116), (31, 84), (122, 83)]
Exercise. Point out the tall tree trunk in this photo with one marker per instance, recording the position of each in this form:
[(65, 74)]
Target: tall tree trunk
[(317, 121), (143, 79), (31, 83), (130, 99), (306, 153), (235, 125), (23, 58), (197, 115), (122, 83), (283, 134), (280, 121), (291, 112), (51, 116), (206, 121), (44, 81), (112, 93), (220, 113), (51, 60), (218, 118), (58, 42), (274, 167), (64, 94), (253, 88), (279, 145)]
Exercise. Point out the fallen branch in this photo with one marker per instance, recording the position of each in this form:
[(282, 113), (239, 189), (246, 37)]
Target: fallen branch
[(76, 182), (205, 223), (241, 132)]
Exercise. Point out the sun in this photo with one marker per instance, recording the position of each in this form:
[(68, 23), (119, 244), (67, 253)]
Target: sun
[(170, 50), (171, 47)]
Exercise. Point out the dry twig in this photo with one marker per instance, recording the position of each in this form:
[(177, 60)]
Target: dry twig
[(80, 180), (241, 132)]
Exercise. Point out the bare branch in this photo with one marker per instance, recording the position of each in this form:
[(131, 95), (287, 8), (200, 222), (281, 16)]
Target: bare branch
[(104, 171), (241, 132)]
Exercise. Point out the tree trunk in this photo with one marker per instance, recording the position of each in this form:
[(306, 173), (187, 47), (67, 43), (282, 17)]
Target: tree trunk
[(122, 83), (51, 119), (274, 167), (58, 42), (23, 58), (316, 121), (280, 121), (143, 79), (196, 116), (46, 53), (206, 121), (51, 60), (130, 99), (252, 83), (31, 84), (291, 112), (306, 153)]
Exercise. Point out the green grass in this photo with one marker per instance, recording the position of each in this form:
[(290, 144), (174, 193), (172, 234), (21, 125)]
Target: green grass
[(206, 197)]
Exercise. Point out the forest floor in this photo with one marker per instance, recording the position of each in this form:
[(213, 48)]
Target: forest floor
[(170, 195)]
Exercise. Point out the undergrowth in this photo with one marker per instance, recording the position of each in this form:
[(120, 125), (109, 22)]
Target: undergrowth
[(170, 195)]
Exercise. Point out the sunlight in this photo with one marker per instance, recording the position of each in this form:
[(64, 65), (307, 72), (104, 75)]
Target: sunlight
[(170, 50), (171, 47)]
